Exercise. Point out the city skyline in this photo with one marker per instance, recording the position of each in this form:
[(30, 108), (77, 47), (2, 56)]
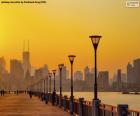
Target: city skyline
[(26, 58)]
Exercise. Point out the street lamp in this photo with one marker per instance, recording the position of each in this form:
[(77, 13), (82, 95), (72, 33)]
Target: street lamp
[(50, 74), (54, 91), (47, 86), (60, 69), (71, 58), (44, 86), (96, 102), (95, 41)]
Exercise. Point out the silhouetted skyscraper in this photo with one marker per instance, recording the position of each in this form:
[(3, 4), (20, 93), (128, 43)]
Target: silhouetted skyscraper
[(78, 75), (103, 79), (64, 73), (137, 70), (16, 69), (87, 74), (26, 60), (119, 81), (130, 74), (2, 66)]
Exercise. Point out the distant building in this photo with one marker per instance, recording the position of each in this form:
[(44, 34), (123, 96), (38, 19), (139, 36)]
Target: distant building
[(78, 75), (16, 69), (39, 73), (64, 73), (26, 60), (124, 78), (88, 79), (87, 74), (103, 79), (2, 66), (119, 81), (137, 70), (130, 74), (42, 72), (45, 70)]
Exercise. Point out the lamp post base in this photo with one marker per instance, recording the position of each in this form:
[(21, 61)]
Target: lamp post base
[(95, 107), (53, 98), (60, 102), (71, 105)]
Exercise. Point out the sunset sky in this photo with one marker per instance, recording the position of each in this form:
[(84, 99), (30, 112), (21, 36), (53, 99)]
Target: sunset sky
[(62, 27)]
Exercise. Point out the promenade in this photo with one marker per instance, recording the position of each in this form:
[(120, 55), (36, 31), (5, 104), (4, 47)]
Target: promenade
[(22, 105)]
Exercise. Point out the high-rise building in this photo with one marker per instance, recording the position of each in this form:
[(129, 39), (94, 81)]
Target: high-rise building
[(78, 75), (64, 73), (16, 69), (39, 73), (88, 77), (2, 66), (137, 70), (124, 78), (42, 72), (119, 81), (103, 79), (45, 70), (87, 74), (26, 60), (130, 74)]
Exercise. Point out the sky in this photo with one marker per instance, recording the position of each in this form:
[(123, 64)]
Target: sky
[(62, 27)]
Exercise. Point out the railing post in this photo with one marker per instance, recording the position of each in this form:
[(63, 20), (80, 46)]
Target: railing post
[(46, 98), (95, 106), (122, 110), (81, 100), (65, 103), (71, 105)]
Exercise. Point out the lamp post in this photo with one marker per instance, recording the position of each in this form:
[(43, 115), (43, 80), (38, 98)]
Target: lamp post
[(44, 86), (47, 86), (95, 41), (54, 91), (60, 69), (50, 74), (71, 58)]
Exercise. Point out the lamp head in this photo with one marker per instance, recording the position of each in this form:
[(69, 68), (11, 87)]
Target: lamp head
[(60, 66), (54, 71), (95, 40), (71, 58)]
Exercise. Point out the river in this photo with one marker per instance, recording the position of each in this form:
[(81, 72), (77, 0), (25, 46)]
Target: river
[(112, 98)]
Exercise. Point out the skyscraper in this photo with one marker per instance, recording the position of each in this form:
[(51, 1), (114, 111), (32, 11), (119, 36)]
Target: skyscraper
[(103, 79), (87, 74), (78, 75), (16, 69), (2, 66), (137, 70), (130, 74), (119, 81), (26, 60), (64, 73)]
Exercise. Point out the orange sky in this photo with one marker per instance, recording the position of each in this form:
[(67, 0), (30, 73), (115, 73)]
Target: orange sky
[(62, 27)]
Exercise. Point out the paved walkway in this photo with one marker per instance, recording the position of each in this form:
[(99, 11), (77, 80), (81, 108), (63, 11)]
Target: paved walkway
[(22, 105)]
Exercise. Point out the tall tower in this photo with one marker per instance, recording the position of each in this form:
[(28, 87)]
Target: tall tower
[(26, 59), (119, 81), (130, 74), (137, 70)]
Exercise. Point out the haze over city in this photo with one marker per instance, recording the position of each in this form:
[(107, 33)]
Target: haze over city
[(59, 28)]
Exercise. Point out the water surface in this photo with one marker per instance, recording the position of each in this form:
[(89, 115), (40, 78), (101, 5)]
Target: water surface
[(112, 98)]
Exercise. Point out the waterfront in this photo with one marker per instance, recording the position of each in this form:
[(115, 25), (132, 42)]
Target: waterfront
[(112, 98)]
